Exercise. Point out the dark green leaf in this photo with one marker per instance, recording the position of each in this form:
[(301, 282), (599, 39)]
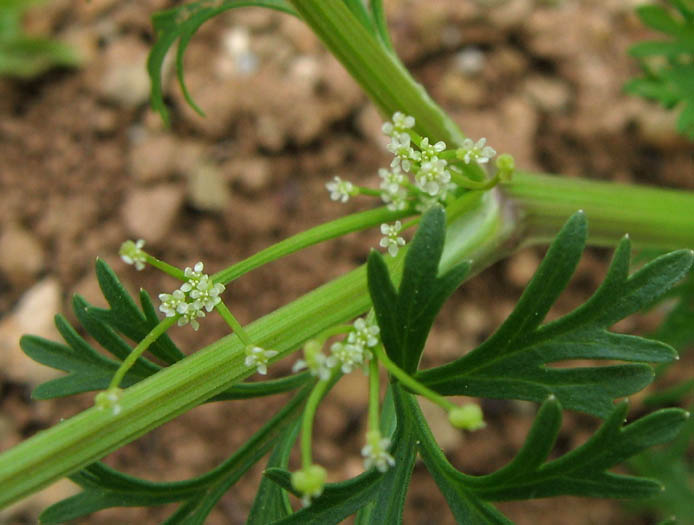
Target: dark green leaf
[(581, 472), (271, 501), (659, 19), (88, 370), (405, 317), (105, 487), (181, 23), (338, 500), (511, 364), (388, 505), (466, 507)]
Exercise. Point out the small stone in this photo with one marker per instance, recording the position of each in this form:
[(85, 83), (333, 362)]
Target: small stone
[(207, 189), (124, 80), (153, 157), (548, 94), (149, 213), (253, 174), (32, 315), (21, 255)]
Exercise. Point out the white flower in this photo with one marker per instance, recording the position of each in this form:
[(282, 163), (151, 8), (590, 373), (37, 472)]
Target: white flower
[(391, 239), (391, 180), (433, 177), (401, 147), (259, 358), (348, 355), (340, 190), (375, 452), (431, 151), (395, 201), (316, 361), (479, 152), (365, 333), (400, 123), (197, 294), (207, 293), (131, 253)]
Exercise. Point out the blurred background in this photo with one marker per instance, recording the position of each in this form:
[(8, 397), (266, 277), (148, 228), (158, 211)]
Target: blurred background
[(85, 164)]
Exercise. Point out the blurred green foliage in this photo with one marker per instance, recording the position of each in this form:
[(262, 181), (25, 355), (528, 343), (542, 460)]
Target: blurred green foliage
[(25, 56), (668, 65)]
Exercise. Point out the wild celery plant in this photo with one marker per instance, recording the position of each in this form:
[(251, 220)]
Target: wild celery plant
[(470, 208)]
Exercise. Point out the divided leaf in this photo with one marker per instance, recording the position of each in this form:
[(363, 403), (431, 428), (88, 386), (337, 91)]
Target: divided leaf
[(181, 23), (670, 80), (581, 472), (511, 364), (104, 487), (405, 316)]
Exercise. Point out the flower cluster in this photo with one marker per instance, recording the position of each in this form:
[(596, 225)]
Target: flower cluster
[(353, 352), (375, 452), (131, 252), (423, 173), (193, 298)]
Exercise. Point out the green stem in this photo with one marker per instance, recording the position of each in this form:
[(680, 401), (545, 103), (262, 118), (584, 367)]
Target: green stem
[(654, 218), (233, 323), (374, 393), (307, 421), (329, 230), (140, 349), (165, 267), (411, 383), (375, 68)]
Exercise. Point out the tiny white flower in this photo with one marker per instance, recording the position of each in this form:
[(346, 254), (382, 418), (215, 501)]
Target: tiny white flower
[(365, 333), (207, 293), (349, 356), (340, 190), (375, 452), (396, 201), (433, 177), (391, 180), (391, 240), (400, 122), (131, 253), (479, 151), (259, 358)]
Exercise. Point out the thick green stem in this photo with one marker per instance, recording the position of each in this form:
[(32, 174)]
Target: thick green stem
[(654, 218), (375, 68)]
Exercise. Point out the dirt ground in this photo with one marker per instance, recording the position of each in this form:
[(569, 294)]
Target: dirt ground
[(85, 164)]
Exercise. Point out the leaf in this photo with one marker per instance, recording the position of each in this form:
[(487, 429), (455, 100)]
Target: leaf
[(104, 487), (181, 23), (670, 81), (659, 19), (271, 503), (338, 500), (388, 505), (581, 472), (511, 364), (87, 369), (405, 317)]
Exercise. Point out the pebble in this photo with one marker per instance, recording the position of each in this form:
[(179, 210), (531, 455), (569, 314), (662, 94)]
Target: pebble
[(153, 158), (149, 213), (124, 80), (33, 315), (21, 255), (207, 189), (548, 94)]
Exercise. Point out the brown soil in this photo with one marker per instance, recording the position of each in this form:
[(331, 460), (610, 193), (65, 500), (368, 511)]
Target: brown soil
[(84, 165)]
